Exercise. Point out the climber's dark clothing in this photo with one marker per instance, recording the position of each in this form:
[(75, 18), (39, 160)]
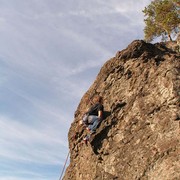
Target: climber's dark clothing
[(94, 116)]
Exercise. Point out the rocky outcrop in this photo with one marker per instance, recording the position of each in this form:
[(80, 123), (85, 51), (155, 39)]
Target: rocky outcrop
[(139, 137)]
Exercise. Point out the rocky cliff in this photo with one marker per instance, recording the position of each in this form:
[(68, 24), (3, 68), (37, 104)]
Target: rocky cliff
[(139, 137)]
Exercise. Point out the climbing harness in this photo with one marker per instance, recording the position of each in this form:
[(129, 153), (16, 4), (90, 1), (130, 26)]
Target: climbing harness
[(64, 167)]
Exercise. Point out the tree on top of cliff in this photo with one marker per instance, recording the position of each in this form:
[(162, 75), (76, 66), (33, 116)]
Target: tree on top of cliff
[(162, 19)]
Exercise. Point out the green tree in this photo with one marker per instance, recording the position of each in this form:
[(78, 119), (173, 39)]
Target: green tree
[(162, 18)]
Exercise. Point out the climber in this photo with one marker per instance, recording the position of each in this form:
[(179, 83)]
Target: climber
[(94, 115)]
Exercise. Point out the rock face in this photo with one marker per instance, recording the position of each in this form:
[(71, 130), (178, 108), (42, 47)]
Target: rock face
[(139, 137)]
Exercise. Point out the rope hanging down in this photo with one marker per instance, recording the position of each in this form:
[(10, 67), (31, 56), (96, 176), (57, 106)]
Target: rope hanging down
[(90, 99), (64, 167), (69, 153)]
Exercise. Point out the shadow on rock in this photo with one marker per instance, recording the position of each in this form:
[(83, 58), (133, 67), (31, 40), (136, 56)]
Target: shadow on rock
[(97, 139)]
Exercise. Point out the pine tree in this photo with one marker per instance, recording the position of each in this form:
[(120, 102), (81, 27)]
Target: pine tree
[(162, 19)]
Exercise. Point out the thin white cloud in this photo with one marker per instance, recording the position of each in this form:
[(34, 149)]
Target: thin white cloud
[(20, 142), (50, 53)]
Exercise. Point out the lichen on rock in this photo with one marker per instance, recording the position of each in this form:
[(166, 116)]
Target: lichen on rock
[(139, 137)]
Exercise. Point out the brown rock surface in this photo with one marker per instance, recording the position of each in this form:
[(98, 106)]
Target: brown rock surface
[(139, 137)]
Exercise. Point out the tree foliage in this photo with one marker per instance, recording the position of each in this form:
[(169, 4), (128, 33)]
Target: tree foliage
[(162, 19)]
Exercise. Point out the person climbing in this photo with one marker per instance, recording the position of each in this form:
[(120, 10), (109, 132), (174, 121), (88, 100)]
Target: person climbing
[(93, 116)]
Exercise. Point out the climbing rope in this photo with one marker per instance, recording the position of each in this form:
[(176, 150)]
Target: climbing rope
[(90, 99), (64, 167)]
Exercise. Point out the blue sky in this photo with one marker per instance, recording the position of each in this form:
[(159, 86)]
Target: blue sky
[(50, 54)]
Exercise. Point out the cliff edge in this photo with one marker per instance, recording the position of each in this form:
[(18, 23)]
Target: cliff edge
[(139, 137)]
